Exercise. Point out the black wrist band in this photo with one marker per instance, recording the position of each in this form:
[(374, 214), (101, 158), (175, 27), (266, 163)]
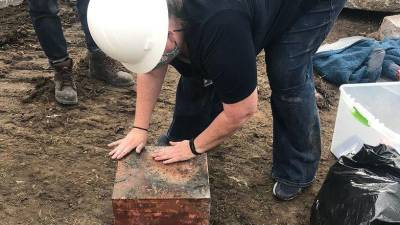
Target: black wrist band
[(141, 128), (192, 147)]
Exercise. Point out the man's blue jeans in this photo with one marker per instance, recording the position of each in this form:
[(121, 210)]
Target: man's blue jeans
[(47, 24), (296, 126)]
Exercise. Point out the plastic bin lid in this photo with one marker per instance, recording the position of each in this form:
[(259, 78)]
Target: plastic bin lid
[(378, 105)]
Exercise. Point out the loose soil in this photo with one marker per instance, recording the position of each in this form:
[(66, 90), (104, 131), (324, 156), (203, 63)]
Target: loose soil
[(54, 167)]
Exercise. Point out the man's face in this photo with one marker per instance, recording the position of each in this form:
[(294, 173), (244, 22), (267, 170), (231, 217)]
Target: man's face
[(172, 50)]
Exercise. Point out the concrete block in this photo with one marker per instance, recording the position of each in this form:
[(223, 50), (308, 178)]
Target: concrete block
[(390, 27), (147, 192)]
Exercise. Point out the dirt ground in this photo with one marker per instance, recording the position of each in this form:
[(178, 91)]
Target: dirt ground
[(54, 167)]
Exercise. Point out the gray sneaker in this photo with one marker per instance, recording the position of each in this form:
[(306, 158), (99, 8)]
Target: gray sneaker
[(163, 140), (101, 67), (285, 192), (65, 88)]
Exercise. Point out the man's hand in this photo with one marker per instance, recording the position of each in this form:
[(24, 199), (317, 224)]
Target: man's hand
[(135, 139), (179, 151)]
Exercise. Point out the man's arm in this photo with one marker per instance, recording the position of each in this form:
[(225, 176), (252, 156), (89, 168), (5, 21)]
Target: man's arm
[(148, 89), (226, 123)]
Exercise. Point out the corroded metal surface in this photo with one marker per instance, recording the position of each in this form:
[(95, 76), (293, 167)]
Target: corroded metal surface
[(147, 192), (140, 177), (162, 212)]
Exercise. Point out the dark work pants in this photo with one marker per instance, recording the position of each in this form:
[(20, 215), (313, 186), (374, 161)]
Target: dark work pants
[(296, 126), (47, 24)]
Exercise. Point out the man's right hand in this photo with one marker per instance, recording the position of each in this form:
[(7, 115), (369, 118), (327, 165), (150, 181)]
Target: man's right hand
[(136, 139)]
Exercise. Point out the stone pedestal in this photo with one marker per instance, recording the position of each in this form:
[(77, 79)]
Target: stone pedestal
[(375, 5), (5, 3), (147, 192)]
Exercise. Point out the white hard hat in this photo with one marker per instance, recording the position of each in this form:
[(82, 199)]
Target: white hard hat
[(133, 32)]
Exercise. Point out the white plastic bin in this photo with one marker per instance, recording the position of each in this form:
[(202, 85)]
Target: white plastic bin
[(367, 114)]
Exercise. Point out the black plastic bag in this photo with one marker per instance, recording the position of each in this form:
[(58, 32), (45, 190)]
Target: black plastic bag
[(361, 190)]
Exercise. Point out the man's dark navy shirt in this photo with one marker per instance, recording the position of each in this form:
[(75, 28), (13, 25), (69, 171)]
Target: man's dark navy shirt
[(225, 36)]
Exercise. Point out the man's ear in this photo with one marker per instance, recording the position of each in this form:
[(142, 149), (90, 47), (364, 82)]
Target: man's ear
[(171, 37)]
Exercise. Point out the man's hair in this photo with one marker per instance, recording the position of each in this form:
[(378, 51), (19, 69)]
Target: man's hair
[(175, 8)]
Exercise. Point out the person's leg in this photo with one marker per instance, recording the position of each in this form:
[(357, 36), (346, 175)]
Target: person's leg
[(82, 6), (297, 144), (47, 24), (101, 67), (196, 107)]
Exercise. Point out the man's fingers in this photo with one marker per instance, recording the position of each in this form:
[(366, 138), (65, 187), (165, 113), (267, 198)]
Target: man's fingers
[(162, 157), (169, 161), (162, 151), (112, 152), (155, 154), (118, 151), (124, 152), (139, 148), (159, 152), (115, 143), (115, 155)]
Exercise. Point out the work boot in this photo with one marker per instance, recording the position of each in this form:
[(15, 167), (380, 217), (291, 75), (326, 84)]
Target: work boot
[(101, 67), (65, 88)]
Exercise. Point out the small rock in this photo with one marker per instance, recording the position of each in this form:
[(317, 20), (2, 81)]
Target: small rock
[(375, 5), (10, 211), (80, 200), (390, 27), (318, 96)]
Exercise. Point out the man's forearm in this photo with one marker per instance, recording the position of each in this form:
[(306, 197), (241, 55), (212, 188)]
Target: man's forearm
[(227, 122), (148, 89), (220, 129)]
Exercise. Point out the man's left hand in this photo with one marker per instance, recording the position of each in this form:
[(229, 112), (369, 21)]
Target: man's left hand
[(177, 152)]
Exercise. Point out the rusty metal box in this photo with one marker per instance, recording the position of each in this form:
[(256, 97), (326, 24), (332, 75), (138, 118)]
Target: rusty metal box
[(147, 192)]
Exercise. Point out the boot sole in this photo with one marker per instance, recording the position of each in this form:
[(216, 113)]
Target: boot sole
[(64, 102), (122, 85), (114, 84)]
